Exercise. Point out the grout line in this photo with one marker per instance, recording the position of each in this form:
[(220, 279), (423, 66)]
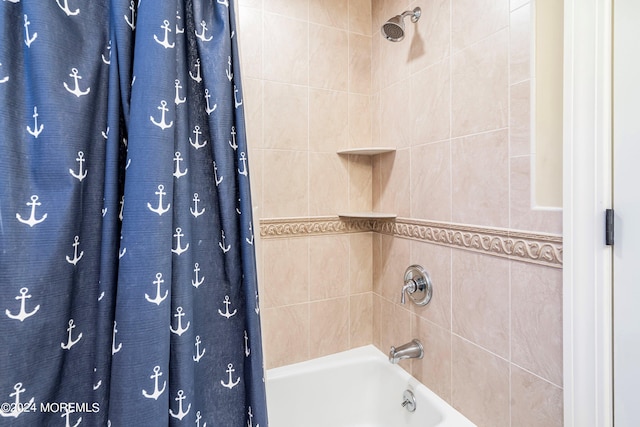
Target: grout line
[(480, 347), (451, 199), (510, 339), (349, 172), (262, 116), (483, 39), (537, 376), (509, 211), (308, 240), (509, 207), (484, 132)]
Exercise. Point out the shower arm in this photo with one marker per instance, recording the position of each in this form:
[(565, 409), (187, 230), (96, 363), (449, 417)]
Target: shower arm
[(414, 14)]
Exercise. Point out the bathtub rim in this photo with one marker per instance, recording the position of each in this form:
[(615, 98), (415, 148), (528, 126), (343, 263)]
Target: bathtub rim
[(451, 416)]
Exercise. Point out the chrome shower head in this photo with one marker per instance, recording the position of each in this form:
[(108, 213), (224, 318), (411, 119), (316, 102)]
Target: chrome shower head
[(393, 29)]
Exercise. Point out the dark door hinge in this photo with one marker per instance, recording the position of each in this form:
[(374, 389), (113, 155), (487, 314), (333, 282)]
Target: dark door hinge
[(608, 227)]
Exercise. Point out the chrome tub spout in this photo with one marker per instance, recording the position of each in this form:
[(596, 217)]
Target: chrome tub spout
[(410, 350)]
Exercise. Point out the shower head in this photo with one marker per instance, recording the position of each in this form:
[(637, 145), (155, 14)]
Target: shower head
[(393, 29)]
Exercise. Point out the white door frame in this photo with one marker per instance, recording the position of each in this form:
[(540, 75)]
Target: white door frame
[(587, 171)]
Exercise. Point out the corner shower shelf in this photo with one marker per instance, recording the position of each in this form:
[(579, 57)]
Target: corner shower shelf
[(367, 151), (367, 215)]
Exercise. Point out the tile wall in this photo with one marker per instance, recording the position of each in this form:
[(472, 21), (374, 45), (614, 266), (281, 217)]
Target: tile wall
[(307, 83), (454, 98)]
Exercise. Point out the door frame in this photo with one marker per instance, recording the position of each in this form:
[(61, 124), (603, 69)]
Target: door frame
[(587, 175)]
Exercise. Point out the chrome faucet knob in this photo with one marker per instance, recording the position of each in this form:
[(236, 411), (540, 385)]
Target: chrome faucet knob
[(417, 284), (410, 286)]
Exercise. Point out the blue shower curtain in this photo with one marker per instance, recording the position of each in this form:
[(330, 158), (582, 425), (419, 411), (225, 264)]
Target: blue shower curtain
[(128, 292)]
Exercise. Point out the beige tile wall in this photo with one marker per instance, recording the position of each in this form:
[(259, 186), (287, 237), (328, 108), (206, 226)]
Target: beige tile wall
[(453, 97), (307, 82), (493, 330)]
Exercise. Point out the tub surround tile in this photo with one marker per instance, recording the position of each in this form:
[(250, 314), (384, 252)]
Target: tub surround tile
[(534, 402), (520, 119), (254, 108), (298, 9), (360, 126), (328, 58), (332, 13), (375, 120), (520, 44), (334, 317), (360, 17), (453, 96), (360, 182), (430, 104), (431, 181), (480, 179), (359, 64), (523, 215), (386, 323), (328, 120), (395, 325), (256, 168), (360, 263), (377, 263), (285, 335), (430, 43), (395, 328), (518, 3), (376, 62), (395, 253), (437, 261), (394, 182), (286, 116), (256, 4), (327, 173), (360, 320), (480, 384), (284, 258), (328, 267), (434, 369), (377, 10), (283, 195), (473, 21), (328, 327), (479, 80), (376, 181), (377, 320), (395, 115), (251, 38), (286, 50), (480, 305), (536, 317)]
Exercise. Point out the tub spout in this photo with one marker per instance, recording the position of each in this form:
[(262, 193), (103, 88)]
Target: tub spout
[(410, 350)]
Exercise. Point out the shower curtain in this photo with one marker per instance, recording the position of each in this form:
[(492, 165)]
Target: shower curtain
[(128, 292)]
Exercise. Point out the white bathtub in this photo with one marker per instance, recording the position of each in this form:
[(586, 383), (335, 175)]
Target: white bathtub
[(355, 388)]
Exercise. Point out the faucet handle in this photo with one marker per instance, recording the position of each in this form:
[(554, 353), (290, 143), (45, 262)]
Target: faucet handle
[(417, 284), (410, 286)]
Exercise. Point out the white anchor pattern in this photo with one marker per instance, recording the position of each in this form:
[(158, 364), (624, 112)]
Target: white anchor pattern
[(28, 39), (108, 278)]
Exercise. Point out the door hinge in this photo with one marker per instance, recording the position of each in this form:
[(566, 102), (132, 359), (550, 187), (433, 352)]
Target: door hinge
[(608, 227)]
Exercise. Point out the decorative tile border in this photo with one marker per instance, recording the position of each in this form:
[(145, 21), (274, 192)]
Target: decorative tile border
[(536, 248), (310, 226)]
